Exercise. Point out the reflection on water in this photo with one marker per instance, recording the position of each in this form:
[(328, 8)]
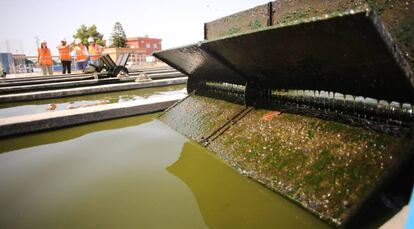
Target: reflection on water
[(53, 136), (229, 200), (50, 105), (142, 176)]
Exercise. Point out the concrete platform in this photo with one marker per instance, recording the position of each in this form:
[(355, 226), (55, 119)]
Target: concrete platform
[(72, 77), (43, 81), (57, 119), (45, 86), (81, 83), (28, 96)]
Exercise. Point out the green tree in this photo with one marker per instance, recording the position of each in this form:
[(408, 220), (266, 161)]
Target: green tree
[(118, 36), (85, 32)]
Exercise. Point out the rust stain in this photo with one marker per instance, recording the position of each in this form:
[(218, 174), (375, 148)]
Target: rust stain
[(270, 115)]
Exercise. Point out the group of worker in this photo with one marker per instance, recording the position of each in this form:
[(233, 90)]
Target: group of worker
[(83, 55)]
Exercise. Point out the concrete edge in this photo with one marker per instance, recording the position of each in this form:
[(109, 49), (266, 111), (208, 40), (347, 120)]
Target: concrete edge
[(29, 96), (90, 81), (58, 119)]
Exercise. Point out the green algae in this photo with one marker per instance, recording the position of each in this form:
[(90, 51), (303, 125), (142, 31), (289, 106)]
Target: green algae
[(338, 163), (193, 116), (327, 167), (255, 25)]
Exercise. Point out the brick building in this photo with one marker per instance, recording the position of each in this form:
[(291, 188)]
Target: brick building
[(149, 44)]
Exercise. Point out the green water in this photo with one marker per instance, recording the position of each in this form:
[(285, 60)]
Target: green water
[(131, 173), (50, 105)]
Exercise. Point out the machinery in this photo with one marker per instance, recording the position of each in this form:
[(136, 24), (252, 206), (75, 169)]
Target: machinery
[(343, 67), (112, 69)]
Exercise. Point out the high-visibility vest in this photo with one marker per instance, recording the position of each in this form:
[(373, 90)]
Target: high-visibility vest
[(95, 52), (45, 57), (64, 52), (80, 53)]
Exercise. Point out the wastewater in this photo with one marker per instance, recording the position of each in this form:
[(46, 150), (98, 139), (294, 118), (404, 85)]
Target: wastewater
[(131, 173), (50, 105)]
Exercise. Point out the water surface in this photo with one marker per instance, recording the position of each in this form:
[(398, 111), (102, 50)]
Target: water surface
[(74, 102), (109, 175)]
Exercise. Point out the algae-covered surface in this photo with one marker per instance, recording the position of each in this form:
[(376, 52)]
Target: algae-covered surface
[(196, 117), (327, 167)]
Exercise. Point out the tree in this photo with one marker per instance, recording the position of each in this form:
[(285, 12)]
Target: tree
[(84, 33), (118, 36)]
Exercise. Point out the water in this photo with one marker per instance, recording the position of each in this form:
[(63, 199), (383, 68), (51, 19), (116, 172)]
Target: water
[(131, 173), (50, 105)]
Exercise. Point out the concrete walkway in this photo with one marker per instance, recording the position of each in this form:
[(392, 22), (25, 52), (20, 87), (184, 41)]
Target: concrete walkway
[(69, 83), (58, 93), (57, 119)]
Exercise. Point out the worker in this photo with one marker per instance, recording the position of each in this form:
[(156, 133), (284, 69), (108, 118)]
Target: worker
[(94, 51), (81, 55), (64, 54), (44, 58)]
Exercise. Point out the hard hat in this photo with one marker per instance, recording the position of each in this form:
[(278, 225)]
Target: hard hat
[(78, 41), (90, 39), (63, 39), (43, 41)]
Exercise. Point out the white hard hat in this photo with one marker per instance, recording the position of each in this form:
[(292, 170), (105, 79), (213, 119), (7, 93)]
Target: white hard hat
[(78, 41), (43, 41), (63, 39), (90, 39)]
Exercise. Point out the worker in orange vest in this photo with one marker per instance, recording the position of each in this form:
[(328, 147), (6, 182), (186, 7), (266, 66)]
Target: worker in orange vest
[(44, 58), (94, 51), (64, 54), (81, 55)]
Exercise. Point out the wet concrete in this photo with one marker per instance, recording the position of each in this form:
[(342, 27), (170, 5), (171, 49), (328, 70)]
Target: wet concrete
[(50, 105), (51, 120), (59, 93), (109, 175)]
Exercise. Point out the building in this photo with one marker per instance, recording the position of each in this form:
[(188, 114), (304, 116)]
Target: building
[(150, 45)]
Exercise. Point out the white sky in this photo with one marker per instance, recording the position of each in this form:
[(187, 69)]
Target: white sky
[(176, 22)]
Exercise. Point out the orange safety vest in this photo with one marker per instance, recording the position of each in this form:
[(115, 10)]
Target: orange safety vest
[(64, 52), (94, 52), (81, 53), (45, 57)]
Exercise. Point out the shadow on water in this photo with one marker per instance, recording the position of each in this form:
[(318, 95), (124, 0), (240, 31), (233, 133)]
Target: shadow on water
[(228, 200), (53, 136)]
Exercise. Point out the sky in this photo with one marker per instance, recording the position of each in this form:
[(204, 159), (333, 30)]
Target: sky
[(176, 22)]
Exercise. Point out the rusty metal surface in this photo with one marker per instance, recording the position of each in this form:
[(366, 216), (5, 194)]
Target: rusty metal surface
[(344, 54)]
